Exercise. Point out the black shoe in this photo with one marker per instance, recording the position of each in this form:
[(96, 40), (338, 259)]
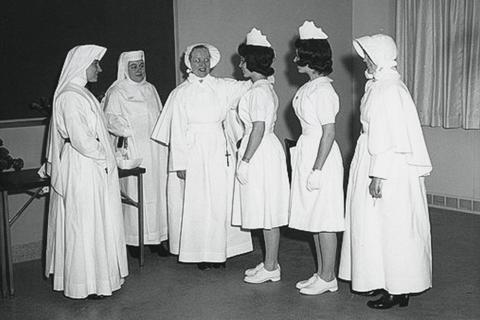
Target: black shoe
[(204, 265), (389, 300), (95, 297), (134, 251), (163, 250), (372, 293), (218, 265)]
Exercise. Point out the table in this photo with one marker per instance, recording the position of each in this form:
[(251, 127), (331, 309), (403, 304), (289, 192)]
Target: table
[(25, 180)]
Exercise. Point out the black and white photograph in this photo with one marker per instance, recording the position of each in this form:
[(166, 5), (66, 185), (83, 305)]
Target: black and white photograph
[(240, 159)]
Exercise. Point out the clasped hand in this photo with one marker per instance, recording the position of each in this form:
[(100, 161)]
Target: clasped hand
[(375, 187)]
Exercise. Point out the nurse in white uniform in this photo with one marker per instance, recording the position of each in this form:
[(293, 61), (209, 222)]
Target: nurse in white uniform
[(386, 246), (85, 249), (132, 106), (262, 182), (316, 202)]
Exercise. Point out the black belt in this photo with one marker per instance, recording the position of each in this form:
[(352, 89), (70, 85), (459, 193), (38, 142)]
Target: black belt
[(67, 140)]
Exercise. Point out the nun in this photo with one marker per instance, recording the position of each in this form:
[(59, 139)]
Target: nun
[(316, 202), (200, 127), (262, 182), (86, 250), (132, 106), (386, 246)]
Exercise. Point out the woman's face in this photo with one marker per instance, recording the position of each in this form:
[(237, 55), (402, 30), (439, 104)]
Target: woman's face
[(200, 62), (371, 66), (243, 66), (136, 70), (300, 69), (93, 70)]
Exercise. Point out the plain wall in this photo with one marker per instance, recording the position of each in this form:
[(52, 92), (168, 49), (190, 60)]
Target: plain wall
[(225, 23)]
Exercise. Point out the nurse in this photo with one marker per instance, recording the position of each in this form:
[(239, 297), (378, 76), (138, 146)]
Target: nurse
[(386, 246), (262, 181), (132, 106), (316, 200), (85, 250), (197, 125)]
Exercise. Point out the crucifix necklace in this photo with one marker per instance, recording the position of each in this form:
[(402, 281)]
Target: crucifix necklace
[(227, 154)]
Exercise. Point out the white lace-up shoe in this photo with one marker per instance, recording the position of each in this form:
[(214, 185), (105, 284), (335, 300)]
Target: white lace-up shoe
[(250, 272), (320, 286), (264, 275), (306, 283)]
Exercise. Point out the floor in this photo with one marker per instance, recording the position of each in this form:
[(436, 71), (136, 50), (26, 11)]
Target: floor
[(165, 289)]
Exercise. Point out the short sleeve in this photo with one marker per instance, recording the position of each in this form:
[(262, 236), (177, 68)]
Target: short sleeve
[(259, 105), (327, 106)]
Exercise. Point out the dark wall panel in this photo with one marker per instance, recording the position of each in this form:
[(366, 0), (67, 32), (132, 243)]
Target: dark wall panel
[(36, 36)]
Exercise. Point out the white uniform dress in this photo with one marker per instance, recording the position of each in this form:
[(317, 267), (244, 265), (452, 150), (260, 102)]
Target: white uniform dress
[(387, 241), (198, 145), (264, 198), (132, 109), (316, 104)]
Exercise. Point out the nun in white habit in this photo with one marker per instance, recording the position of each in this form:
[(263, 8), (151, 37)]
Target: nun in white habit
[(386, 245), (85, 240), (193, 123), (132, 106)]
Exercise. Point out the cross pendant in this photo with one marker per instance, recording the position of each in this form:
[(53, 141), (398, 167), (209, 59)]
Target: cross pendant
[(227, 155)]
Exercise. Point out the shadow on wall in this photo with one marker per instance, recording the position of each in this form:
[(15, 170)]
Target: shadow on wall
[(294, 79), (182, 67), (355, 67), (237, 73)]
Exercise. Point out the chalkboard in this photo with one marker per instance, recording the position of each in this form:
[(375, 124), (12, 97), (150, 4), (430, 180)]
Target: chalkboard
[(35, 37)]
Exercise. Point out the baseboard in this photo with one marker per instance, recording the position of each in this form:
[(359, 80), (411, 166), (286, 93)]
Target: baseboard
[(27, 251), (443, 201)]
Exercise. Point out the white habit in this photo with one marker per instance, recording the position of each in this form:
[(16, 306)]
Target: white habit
[(386, 244), (131, 109), (316, 104), (85, 239), (198, 145), (264, 198)]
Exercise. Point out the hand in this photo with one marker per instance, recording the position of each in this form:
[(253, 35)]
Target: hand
[(314, 180), (242, 172), (182, 174), (375, 187)]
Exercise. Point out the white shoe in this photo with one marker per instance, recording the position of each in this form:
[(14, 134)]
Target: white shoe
[(264, 275), (250, 272), (320, 286), (306, 283)]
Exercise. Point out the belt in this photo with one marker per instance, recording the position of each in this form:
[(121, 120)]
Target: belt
[(67, 140)]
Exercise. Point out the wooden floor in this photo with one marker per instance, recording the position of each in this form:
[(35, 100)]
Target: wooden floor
[(165, 289)]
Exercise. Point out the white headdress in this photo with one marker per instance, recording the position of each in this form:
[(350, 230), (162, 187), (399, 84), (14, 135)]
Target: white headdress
[(214, 54), (308, 30), (125, 57), (256, 38), (380, 48)]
